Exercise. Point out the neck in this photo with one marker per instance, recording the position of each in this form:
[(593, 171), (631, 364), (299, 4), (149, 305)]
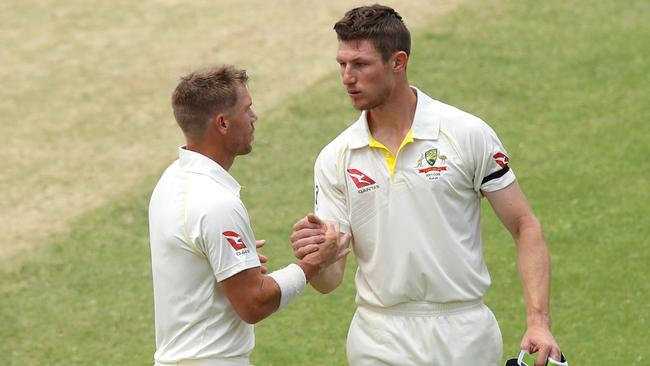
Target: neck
[(396, 114), (212, 151)]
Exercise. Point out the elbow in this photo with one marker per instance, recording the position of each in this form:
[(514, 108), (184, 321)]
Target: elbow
[(526, 224), (251, 319), (326, 288), (256, 309), (252, 314), (248, 318), (324, 291)]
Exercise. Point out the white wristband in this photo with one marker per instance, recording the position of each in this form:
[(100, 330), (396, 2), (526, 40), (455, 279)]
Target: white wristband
[(292, 282)]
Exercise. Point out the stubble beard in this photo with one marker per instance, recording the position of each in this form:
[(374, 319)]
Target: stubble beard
[(369, 104), (373, 103)]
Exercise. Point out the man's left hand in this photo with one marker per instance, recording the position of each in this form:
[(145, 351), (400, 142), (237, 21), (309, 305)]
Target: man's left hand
[(263, 258), (538, 339)]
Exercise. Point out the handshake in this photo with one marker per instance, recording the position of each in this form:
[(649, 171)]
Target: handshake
[(319, 243)]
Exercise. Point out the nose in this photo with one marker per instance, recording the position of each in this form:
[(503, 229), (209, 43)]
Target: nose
[(346, 75)]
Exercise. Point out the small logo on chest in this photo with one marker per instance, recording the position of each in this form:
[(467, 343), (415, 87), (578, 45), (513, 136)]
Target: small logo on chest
[(431, 164), (363, 182)]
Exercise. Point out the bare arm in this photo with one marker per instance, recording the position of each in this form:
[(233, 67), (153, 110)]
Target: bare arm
[(330, 278), (255, 296), (306, 237), (534, 265)]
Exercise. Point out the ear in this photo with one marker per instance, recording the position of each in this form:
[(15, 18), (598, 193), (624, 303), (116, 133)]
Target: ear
[(221, 123), (399, 61)]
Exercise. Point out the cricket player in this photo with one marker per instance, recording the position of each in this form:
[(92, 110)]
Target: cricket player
[(209, 285), (406, 180)]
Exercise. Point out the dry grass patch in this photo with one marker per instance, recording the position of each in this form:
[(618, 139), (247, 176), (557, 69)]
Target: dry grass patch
[(85, 107)]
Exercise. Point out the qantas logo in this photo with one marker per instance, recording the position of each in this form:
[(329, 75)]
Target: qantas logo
[(501, 159), (360, 180), (363, 182), (234, 239)]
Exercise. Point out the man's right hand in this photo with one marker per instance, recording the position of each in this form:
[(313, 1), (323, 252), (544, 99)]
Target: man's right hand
[(335, 247), (308, 234)]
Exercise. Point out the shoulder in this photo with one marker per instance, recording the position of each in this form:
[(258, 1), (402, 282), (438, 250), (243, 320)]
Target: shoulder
[(170, 174), (207, 195), (168, 184), (468, 131), (333, 150), (458, 121)]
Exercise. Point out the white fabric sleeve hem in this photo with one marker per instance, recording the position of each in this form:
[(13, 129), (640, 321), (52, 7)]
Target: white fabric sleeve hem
[(292, 282), (238, 267), (500, 183)]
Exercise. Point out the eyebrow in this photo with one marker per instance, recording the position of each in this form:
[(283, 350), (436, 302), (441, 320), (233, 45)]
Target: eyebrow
[(356, 59)]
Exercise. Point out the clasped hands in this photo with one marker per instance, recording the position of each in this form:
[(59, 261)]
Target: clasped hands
[(313, 235)]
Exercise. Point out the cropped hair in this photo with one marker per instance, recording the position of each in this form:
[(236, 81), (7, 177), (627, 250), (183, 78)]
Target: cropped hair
[(204, 93), (379, 24)]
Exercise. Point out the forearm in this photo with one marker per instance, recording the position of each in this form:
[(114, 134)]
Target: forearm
[(324, 275), (263, 301), (534, 267), (280, 287), (277, 289), (535, 271), (255, 296), (329, 278)]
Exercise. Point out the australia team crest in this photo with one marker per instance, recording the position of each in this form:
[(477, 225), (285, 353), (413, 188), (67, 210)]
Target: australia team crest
[(431, 164)]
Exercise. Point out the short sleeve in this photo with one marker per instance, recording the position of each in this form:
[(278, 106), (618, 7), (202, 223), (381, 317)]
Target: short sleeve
[(492, 172), (227, 239), (330, 202)]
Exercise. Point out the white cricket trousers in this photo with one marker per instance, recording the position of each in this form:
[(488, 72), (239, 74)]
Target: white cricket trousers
[(208, 362), (423, 333)]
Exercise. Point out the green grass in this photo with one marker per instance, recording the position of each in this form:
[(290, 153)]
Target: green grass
[(87, 300), (565, 84)]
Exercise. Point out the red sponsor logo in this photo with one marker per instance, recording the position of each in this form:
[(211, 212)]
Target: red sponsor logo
[(234, 239), (432, 169), (360, 180), (501, 159)]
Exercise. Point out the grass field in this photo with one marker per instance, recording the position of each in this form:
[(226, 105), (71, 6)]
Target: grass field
[(565, 84), (85, 109)]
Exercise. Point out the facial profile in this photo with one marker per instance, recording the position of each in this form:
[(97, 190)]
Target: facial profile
[(367, 79), (240, 123), (370, 37)]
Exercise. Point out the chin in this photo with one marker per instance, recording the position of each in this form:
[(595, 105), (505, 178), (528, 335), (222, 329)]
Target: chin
[(244, 150), (359, 106), (365, 107), (366, 104)]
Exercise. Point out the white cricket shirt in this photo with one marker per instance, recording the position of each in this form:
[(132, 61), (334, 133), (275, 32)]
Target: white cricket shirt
[(200, 234), (416, 233)]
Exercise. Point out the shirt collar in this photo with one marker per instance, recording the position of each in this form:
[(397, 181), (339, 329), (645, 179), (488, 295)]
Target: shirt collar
[(194, 162), (426, 124)]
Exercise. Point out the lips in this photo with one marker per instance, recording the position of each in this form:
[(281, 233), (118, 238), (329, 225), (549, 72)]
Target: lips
[(354, 93)]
